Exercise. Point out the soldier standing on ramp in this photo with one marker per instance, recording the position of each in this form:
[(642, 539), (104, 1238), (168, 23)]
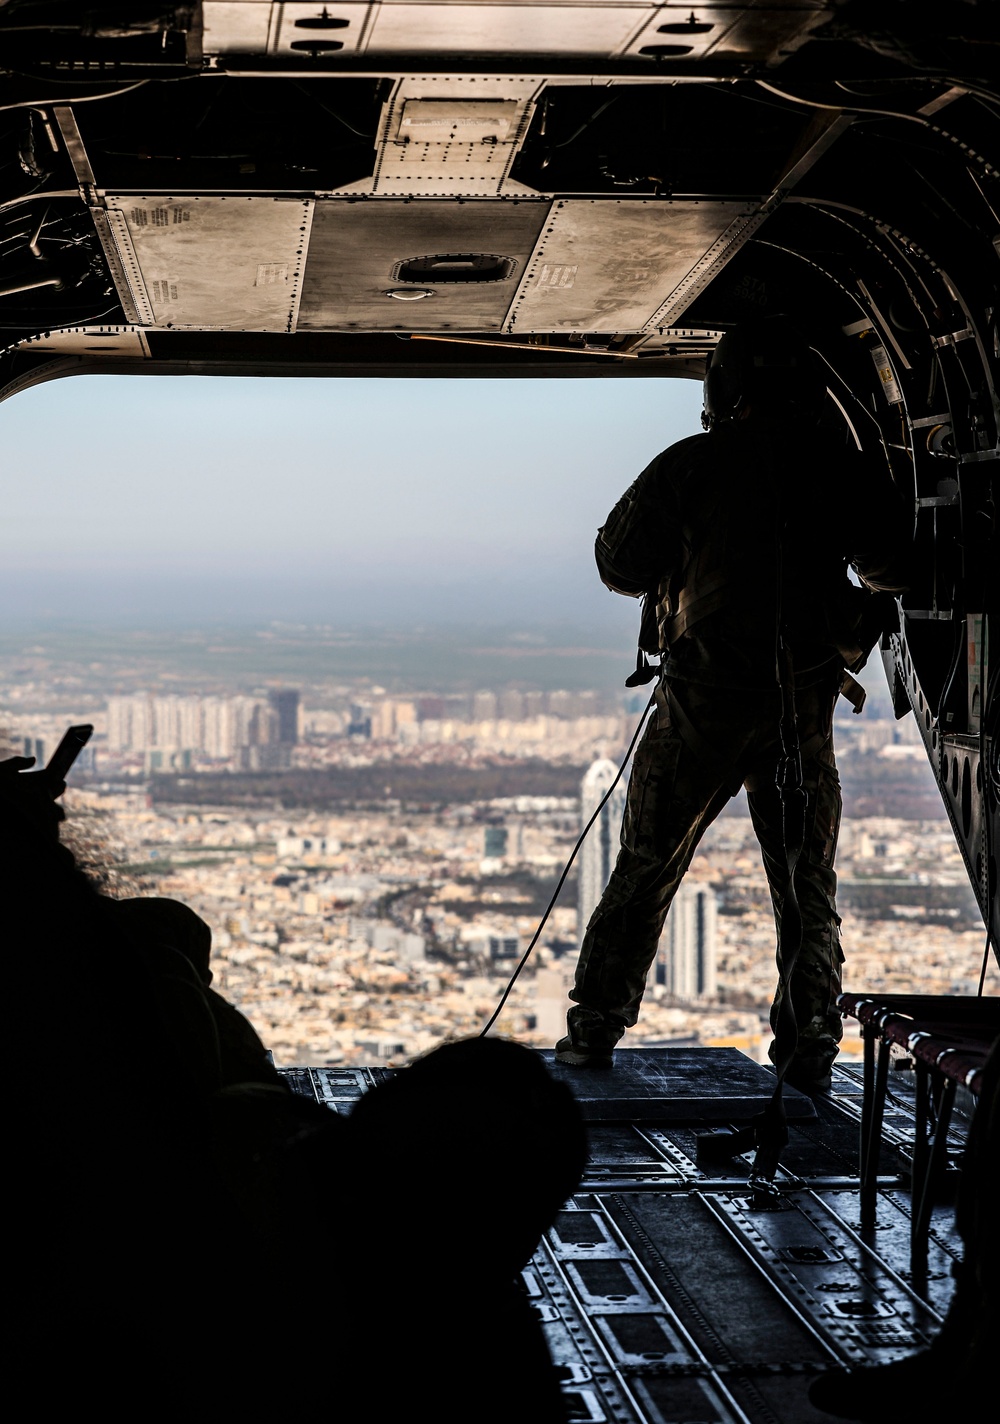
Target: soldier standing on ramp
[(740, 539)]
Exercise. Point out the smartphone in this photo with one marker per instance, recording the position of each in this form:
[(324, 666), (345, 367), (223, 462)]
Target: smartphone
[(72, 744)]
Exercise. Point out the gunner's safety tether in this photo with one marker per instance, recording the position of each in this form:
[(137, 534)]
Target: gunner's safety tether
[(566, 869), (771, 1126)]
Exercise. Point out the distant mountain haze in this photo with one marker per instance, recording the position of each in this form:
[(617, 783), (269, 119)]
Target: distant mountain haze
[(169, 501)]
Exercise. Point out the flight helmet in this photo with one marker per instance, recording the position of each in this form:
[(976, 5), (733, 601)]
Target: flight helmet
[(766, 366)]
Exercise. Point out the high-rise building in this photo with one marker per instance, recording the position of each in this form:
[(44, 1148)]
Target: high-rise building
[(119, 730), (534, 704), (245, 720), (360, 721), (191, 722), (685, 955), (600, 849), (390, 717), (166, 722), (495, 842), (130, 723), (218, 725), (285, 704), (511, 704), (484, 706)]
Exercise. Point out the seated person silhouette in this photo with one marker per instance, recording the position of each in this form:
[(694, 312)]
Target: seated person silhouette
[(167, 1186)]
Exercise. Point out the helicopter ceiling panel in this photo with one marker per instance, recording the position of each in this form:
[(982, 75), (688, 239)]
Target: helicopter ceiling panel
[(440, 140), (259, 27), (680, 31), (607, 265), (507, 28), (224, 264), (312, 30), (391, 265), (605, 28)]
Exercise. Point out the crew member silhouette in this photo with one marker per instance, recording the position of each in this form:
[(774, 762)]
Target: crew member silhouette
[(740, 540)]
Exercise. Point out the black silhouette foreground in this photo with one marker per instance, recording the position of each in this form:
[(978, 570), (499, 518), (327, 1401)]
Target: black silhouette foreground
[(174, 1209)]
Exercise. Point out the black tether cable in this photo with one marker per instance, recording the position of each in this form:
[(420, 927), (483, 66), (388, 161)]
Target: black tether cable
[(562, 879), (771, 1126)]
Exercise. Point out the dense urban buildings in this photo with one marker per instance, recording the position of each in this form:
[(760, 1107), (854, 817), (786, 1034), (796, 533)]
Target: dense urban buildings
[(374, 858), (176, 733)]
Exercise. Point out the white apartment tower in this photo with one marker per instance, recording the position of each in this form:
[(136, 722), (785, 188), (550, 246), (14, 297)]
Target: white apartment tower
[(130, 723), (600, 849), (685, 956), (217, 726)]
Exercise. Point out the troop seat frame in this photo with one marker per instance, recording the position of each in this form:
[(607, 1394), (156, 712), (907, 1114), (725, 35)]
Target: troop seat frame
[(949, 1038)]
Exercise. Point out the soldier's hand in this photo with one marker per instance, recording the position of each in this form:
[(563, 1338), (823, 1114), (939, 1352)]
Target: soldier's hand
[(31, 798)]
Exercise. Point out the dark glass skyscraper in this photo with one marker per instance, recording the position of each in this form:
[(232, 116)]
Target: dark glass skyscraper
[(285, 705)]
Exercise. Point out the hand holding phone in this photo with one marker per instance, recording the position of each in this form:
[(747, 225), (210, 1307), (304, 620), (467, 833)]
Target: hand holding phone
[(33, 797), (73, 741)]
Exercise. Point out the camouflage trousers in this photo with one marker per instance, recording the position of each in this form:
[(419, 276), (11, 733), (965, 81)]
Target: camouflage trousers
[(700, 747)]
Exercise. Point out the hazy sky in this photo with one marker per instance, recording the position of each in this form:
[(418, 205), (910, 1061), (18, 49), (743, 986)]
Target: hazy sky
[(189, 499)]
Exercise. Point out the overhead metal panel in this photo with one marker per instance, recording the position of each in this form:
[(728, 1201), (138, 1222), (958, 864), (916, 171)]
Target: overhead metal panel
[(235, 27), (450, 147), (309, 29), (127, 341), (224, 264), (450, 135), (679, 30), (506, 28), (299, 28), (610, 264), (357, 249)]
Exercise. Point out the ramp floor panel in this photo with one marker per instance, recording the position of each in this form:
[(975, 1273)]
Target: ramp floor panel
[(668, 1292), (676, 1084)]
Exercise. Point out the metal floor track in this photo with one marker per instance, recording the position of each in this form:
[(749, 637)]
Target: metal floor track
[(669, 1295)]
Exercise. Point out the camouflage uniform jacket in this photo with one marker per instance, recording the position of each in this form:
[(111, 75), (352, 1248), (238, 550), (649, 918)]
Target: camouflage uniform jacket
[(730, 533)]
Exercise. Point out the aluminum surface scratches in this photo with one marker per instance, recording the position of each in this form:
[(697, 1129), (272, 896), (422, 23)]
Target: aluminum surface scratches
[(711, 262), (112, 230), (452, 136), (216, 263), (112, 235), (837, 1287), (614, 264), (357, 246)]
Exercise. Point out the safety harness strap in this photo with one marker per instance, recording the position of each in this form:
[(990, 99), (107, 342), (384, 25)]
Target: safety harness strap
[(691, 609), (771, 1127)]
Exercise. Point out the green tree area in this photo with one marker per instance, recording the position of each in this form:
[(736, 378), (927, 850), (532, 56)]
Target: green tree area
[(415, 787)]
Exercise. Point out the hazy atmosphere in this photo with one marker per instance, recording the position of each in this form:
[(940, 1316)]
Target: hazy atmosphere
[(166, 501)]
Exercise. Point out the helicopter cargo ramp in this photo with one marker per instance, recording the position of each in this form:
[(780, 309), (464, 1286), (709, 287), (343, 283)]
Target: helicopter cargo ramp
[(669, 1292)]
